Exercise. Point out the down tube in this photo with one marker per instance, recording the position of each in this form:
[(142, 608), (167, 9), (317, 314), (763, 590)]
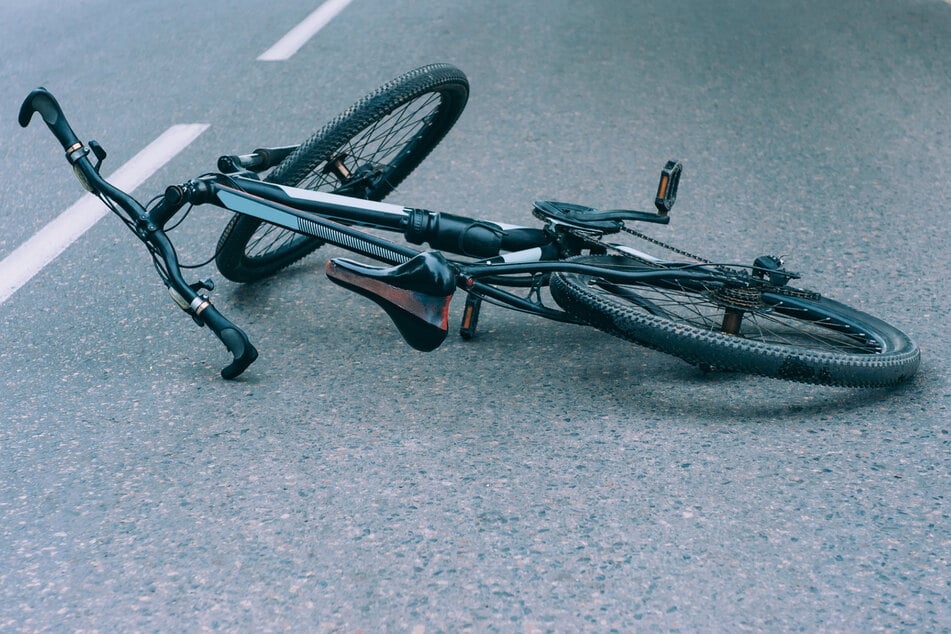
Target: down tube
[(311, 225), (346, 209)]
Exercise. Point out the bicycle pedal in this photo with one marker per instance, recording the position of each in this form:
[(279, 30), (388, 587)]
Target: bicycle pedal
[(667, 187), (470, 316)]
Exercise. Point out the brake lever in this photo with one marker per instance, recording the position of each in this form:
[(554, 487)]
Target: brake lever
[(99, 152)]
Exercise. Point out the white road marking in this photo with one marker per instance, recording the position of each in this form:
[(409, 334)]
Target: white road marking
[(46, 244), (285, 48)]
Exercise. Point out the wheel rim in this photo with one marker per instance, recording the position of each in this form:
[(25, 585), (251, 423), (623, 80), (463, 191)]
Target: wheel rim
[(769, 318), (773, 316)]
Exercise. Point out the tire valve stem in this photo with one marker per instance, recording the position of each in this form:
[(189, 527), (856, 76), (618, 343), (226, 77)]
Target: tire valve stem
[(336, 167)]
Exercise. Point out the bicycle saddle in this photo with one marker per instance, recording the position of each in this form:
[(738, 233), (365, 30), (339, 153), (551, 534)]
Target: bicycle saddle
[(414, 294)]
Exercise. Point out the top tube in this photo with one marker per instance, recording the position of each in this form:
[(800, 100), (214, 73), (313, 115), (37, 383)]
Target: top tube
[(454, 234)]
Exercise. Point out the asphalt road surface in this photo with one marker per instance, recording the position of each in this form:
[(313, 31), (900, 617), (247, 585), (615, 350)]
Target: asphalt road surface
[(542, 477)]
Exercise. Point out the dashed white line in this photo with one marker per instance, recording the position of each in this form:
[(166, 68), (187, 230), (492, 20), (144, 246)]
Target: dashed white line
[(46, 244), (285, 48)]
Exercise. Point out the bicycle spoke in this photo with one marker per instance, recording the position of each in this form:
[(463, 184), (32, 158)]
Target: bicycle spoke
[(269, 237), (777, 324), (378, 145), (381, 143)]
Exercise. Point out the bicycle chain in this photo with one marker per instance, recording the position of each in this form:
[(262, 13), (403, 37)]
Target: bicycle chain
[(643, 236), (779, 290), (664, 245)]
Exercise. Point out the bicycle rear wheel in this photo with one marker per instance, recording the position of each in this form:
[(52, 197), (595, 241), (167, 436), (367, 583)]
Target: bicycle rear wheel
[(365, 152), (779, 332)]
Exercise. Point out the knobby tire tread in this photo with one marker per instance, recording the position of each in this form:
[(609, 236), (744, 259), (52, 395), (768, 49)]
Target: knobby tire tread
[(725, 352)]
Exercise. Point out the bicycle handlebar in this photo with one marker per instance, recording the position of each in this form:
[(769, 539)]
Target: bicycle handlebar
[(42, 101)]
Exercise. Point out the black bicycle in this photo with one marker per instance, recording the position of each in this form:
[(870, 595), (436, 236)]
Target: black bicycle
[(723, 316)]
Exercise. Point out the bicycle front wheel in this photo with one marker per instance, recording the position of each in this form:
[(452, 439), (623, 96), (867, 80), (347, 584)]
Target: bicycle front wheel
[(781, 332), (365, 152)]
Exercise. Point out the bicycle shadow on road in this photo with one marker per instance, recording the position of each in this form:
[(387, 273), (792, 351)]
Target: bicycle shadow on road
[(522, 354), (641, 380)]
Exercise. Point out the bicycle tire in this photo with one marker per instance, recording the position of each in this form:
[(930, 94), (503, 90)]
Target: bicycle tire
[(784, 334), (389, 132)]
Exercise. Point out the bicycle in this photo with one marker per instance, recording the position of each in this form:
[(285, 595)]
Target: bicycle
[(329, 189)]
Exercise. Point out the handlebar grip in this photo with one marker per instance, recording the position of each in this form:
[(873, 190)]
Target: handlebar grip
[(234, 339), (42, 101)]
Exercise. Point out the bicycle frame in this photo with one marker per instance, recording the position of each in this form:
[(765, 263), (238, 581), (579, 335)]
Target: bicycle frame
[(533, 253), (320, 215)]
